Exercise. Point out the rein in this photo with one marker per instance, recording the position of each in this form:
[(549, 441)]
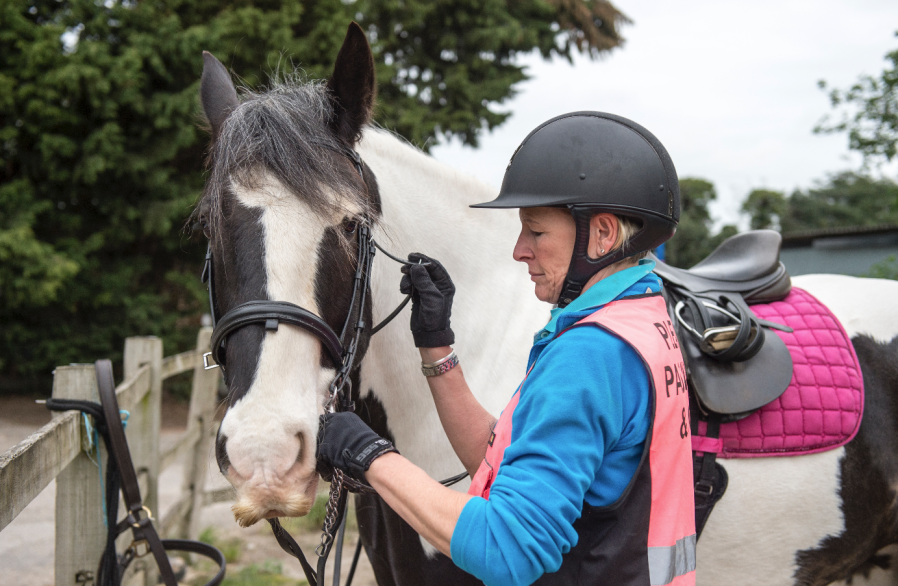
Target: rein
[(344, 357), (120, 475)]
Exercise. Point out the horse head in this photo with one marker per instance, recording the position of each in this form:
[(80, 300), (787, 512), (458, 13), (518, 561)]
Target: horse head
[(283, 209)]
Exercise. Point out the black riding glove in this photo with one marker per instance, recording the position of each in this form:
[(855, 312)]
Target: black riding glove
[(345, 442), (432, 291)]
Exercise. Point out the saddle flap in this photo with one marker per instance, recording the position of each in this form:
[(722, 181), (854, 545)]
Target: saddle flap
[(736, 388)]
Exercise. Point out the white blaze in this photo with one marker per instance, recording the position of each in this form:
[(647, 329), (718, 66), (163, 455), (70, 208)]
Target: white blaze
[(274, 425)]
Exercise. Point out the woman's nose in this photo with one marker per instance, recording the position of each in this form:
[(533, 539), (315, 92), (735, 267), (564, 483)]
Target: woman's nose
[(521, 252)]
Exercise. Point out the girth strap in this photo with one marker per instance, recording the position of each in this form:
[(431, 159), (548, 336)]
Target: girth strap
[(709, 476)]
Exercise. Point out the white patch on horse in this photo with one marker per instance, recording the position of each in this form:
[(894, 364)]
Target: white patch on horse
[(759, 524), (864, 306), (494, 315), (272, 429)]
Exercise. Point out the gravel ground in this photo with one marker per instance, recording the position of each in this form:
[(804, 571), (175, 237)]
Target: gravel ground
[(26, 544)]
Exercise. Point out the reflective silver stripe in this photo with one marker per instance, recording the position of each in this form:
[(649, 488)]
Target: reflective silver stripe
[(666, 563)]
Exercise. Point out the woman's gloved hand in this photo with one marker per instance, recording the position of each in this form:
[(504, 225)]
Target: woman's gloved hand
[(345, 442), (432, 291)]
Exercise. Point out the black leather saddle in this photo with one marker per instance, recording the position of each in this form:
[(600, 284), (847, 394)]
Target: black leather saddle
[(747, 263), (733, 365)]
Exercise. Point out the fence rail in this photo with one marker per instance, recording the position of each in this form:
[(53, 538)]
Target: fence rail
[(62, 451)]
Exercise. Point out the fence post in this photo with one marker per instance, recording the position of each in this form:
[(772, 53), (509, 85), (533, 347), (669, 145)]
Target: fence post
[(203, 399), (144, 427), (80, 532)]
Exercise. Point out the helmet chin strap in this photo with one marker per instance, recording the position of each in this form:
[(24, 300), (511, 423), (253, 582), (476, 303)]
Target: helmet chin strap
[(583, 267)]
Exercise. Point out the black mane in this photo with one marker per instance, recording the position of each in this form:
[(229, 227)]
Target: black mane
[(282, 133)]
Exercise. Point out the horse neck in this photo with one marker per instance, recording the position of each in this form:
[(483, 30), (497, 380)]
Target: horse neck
[(425, 209)]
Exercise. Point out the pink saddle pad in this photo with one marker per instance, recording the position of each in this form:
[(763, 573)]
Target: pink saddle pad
[(821, 410)]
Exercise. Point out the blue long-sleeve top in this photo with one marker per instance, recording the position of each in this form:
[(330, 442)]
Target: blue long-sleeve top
[(578, 434)]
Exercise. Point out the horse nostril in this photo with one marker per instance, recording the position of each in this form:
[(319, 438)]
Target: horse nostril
[(221, 453), (302, 443)]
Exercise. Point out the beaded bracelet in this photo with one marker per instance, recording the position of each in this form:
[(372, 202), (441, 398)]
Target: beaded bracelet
[(441, 366)]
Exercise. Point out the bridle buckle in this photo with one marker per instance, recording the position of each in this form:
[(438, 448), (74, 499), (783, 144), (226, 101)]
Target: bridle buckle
[(135, 548), (206, 364)]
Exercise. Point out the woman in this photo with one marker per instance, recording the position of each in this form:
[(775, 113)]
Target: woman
[(586, 477)]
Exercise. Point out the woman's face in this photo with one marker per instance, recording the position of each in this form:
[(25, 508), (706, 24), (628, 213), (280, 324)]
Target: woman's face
[(546, 244)]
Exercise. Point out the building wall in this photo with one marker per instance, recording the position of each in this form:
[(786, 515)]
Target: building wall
[(848, 255)]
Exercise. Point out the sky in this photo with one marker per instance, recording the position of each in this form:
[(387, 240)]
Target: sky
[(730, 88)]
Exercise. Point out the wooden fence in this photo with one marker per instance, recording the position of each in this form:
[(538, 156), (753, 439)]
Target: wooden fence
[(62, 450)]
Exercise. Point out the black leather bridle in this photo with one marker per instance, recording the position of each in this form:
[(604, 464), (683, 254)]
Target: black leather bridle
[(272, 313), (345, 359), (121, 476)]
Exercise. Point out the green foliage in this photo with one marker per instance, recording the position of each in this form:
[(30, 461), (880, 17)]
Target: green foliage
[(230, 547), (441, 65), (869, 113), (885, 269), (693, 240), (268, 573), (101, 153), (766, 208), (846, 199)]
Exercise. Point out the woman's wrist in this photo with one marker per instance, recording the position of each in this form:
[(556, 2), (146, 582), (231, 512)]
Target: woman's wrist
[(431, 355)]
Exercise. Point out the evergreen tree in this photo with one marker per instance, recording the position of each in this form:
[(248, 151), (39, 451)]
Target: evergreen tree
[(693, 240), (766, 208), (101, 151)]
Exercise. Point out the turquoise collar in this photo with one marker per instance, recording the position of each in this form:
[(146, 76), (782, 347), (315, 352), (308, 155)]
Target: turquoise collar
[(605, 291)]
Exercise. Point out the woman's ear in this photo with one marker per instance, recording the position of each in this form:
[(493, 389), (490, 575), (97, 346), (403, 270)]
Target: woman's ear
[(603, 229)]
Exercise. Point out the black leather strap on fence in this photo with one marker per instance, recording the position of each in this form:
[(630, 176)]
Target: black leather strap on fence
[(120, 475)]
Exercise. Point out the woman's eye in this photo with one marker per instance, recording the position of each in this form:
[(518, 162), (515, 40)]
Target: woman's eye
[(350, 226), (535, 233)]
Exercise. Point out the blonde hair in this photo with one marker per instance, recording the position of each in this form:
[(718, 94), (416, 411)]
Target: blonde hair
[(626, 229)]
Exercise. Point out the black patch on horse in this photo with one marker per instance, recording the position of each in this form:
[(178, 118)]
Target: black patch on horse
[(868, 475)]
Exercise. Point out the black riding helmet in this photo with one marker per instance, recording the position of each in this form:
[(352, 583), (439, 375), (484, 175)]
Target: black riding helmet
[(592, 162)]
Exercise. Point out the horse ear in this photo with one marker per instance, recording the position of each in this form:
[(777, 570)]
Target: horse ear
[(352, 86), (217, 92)]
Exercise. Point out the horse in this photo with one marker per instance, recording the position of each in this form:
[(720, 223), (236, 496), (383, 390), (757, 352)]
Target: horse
[(283, 205)]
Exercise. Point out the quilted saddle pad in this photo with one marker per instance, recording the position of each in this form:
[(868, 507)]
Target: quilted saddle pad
[(821, 410)]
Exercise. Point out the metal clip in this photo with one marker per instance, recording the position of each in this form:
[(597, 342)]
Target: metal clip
[(206, 365), (135, 548), (149, 513), (84, 577)]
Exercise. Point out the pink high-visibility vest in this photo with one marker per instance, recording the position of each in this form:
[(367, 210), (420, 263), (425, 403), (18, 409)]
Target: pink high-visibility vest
[(647, 537)]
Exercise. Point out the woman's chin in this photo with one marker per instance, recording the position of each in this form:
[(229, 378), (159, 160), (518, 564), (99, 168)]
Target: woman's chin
[(543, 294)]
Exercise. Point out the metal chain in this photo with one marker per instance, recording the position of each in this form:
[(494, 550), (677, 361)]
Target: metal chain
[(331, 513)]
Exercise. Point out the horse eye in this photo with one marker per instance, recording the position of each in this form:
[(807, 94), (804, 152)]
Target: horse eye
[(350, 226)]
